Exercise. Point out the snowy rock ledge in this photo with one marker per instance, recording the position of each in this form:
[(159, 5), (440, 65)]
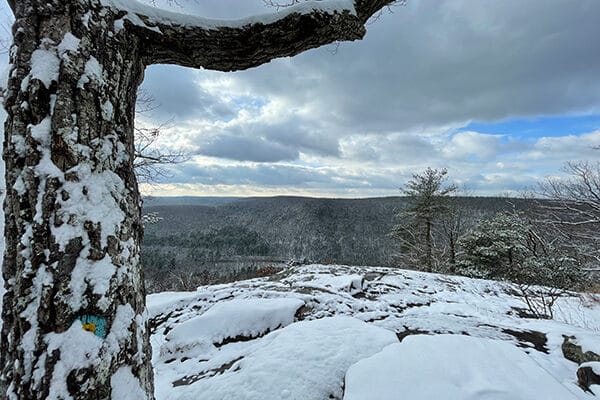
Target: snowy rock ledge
[(348, 333), (247, 318), (351, 284), (306, 360), (234, 320)]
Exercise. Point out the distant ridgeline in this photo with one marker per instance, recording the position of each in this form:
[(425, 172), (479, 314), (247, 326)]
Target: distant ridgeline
[(217, 239)]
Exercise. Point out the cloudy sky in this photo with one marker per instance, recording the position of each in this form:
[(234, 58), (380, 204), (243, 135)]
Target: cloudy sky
[(501, 93)]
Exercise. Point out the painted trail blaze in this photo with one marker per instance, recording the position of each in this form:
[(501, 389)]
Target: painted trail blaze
[(94, 324)]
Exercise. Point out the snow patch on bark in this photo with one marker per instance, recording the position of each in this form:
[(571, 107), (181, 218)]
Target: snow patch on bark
[(119, 331), (86, 19), (93, 73), (18, 143), (19, 186), (95, 198), (107, 110), (95, 274), (69, 43), (141, 321), (30, 314), (45, 66), (41, 131), (119, 25), (111, 152), (46, 167), (126, 386), (78, 350), (135, 20)]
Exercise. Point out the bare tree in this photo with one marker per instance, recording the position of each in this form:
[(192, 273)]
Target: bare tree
[(572, 209), (151, 160), (5, 33), (179, 278), (73, 220), (452, 225)]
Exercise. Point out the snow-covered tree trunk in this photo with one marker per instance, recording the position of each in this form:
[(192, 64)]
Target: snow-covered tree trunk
[(74, 312)]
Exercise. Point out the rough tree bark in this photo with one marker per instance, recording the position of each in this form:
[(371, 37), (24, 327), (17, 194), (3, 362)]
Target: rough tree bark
[(74, 311)]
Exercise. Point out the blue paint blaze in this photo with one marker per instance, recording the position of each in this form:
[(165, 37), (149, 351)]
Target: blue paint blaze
[(94, 324)]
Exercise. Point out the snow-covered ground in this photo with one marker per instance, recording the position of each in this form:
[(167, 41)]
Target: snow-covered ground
[(361, 333)]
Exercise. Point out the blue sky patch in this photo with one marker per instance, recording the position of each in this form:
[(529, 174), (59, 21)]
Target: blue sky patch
[(538, 127), (256, 103)]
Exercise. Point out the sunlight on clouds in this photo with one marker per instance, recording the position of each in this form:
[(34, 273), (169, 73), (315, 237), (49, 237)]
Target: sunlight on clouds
[(474, 145), (255, 191)]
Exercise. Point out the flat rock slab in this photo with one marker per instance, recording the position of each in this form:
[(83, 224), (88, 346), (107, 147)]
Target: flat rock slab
[(303, 361), (453, 367)]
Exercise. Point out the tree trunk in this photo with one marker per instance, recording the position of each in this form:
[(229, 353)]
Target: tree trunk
[(74, 316), (428, 246), (452, 240)]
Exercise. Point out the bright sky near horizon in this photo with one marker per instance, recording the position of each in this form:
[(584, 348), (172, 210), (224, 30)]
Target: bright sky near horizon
[(500, 93)]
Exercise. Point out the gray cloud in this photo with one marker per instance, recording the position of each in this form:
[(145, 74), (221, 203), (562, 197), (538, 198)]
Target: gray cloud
[(399, 148), (247, 149), (267, 142), (177, 96), (269, 175), (308, 136), (436, 63)]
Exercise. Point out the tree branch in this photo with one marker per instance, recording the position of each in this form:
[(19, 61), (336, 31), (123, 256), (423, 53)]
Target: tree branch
[(172, 38)]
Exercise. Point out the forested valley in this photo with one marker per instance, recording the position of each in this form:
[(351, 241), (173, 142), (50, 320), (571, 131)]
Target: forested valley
[(197, 241)]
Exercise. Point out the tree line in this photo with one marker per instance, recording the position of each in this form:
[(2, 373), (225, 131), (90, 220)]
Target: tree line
[(554, 243)]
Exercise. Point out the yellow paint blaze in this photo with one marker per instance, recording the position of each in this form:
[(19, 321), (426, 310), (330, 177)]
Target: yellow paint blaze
[(91, 327)]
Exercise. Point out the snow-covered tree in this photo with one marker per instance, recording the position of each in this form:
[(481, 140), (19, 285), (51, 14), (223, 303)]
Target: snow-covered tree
[(496, 248), (428, 194), (509, 247), (74, 320)]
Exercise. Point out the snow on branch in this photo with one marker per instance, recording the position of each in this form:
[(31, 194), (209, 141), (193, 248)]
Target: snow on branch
[(230, 45)]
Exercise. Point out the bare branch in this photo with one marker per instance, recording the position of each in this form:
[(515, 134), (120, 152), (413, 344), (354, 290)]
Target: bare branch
[(151, 160), (572, 208)]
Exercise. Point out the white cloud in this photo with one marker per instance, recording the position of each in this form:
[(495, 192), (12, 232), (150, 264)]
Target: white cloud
[(473, 146)]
